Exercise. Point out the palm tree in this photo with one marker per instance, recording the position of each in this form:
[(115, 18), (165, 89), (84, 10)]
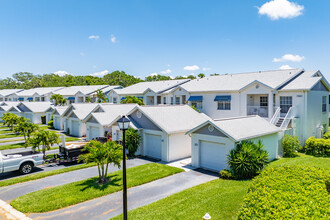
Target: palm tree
[(102, 155), (132, 99), (132, 141), (88, 99), (43, 138), (101, 97), (57, 98)]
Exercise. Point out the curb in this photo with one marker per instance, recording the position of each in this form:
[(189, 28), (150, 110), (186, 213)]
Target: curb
[(10, 213)]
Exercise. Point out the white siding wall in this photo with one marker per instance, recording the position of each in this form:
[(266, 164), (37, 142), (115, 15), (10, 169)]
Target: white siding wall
[(271, 144), (179, 146)]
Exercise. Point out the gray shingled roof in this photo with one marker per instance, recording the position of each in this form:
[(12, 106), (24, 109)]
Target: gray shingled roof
[(156, 86), (40, 91), (86, 90), (174, 118), (236, 82)]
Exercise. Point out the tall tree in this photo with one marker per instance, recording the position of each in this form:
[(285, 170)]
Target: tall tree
[(157, 78), (201, 75), (101, 97), (103, 155), (120, 78), (59, 100)]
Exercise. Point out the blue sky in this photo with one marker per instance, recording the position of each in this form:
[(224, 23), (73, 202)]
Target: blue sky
[(169, 37)]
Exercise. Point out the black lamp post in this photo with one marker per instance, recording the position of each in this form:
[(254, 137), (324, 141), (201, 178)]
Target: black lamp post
[(123, 124)]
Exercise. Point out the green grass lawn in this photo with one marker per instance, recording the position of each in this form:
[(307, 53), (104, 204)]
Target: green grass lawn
[(77, 192), (11, 140), (20, 145), (36, 176), (220, 198), (6, 131), (2, 136)]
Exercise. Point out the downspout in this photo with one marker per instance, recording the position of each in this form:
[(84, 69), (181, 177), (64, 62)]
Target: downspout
[(305, 116)]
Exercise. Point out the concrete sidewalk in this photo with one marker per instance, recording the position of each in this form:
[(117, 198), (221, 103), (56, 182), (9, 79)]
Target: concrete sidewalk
[(110, 206)]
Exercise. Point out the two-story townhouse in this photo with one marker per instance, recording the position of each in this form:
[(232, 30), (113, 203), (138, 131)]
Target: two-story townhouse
[(294, 98), (152, 93), (40, 94), (9, 94), (78, 94)]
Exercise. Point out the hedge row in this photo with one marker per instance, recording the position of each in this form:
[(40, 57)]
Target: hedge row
[(317, 147), (288, 192)]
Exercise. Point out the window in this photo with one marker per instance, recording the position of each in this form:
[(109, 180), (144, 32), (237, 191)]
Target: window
[(264, 101), (177, 100), (324, 103), (224, 105), (285, 103), (115, 100), (171, 100), (159, 100), (197, 104), (164, 100)]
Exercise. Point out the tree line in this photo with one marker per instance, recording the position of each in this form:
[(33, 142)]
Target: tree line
[(26, 80)]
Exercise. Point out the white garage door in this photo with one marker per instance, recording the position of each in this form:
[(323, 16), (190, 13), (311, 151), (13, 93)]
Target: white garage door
[(57, 123), (213, 156), (75, 128), (153, 146), (94, 132), (29, 116)]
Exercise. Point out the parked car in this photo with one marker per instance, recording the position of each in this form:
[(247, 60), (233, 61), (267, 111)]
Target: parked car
[(23, 161)]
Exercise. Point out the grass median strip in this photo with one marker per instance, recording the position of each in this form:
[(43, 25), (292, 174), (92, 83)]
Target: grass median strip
[(2, 136), (36, 176), (73, 193)]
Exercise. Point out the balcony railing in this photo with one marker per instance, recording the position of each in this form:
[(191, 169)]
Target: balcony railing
[(262, 111)]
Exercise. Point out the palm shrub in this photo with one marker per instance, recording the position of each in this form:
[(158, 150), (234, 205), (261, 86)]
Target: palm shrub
[(291, 145), (132, 99), (103, 155), (132, 141), (43, 138), (247, 159), (25, 128)]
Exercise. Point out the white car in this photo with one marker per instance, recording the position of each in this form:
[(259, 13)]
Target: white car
[(23, 161)]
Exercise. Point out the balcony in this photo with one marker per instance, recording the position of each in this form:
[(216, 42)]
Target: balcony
[(262, 111)]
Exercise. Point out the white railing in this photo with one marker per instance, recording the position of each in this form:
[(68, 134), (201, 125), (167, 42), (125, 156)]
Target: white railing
[(276, 116), (262, 111), (287, 119)]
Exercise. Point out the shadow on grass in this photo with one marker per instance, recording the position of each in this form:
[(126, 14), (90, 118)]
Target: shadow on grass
[(94, 183)]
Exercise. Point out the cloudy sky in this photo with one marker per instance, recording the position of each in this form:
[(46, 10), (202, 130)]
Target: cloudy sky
[(171, 37)]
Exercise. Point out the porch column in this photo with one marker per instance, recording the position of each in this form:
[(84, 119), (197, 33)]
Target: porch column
[(155, 100), (270, 105)]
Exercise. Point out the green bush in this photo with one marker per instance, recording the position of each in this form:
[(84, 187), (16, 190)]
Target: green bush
[(326, 135), (288, 192), (291, 145), (317, 147), (247, 159), (132, 140), (51, 124), (226, 174)]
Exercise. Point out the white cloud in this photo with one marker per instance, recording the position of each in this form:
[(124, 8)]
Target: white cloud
[(285, 67), (153, 74), (62, 73), (289, 57), (102, 73), (94, 37), (277, 9), (113, 38), (206, 68), (168, 71), (191, 68)]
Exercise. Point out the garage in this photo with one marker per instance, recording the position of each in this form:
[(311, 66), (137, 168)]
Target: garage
[(75, 127), (29, 116), (57, 123), (212, 155), (212, 141), (94, 132), (153, 146)]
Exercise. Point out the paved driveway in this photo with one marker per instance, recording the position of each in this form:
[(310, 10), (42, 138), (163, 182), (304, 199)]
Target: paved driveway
[(111, 205), (9, 193)]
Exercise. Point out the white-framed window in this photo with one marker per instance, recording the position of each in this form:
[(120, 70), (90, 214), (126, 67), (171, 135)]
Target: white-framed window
[(115, 100), (285, 103), (224, 105), (324, 104), (172, 101), (177, 100), (164, 100), (264, 101), (196, 104)]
